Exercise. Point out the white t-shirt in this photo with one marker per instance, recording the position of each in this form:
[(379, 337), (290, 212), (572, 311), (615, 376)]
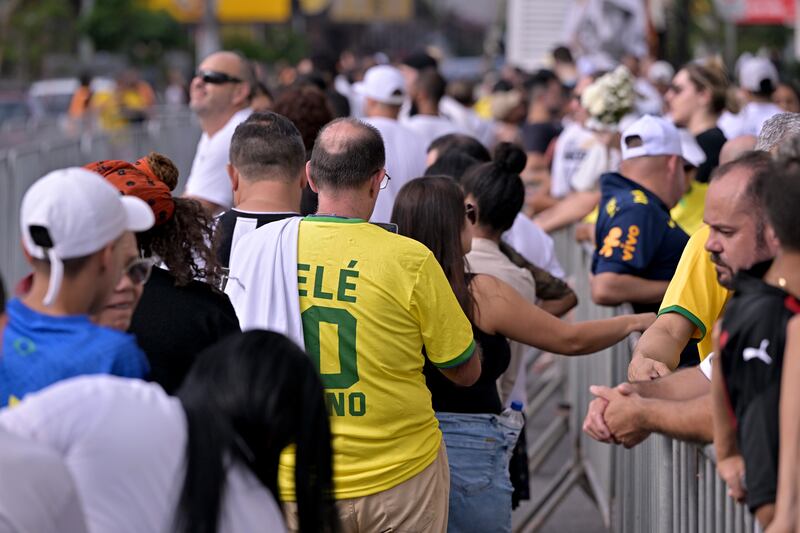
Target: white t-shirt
[(124, 441), (570, 149), (753, 116), (428, 128), (405, 160), (729, 124), (209, 178), (749, 120), (534, 244), (37, 494), (705, 366), (468, 120)]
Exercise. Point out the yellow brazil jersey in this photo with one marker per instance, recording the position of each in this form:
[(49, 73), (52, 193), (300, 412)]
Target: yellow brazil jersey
[(370, 300), (688, 213), (695, 293)]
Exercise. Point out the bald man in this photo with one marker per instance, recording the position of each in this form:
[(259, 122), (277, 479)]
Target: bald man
[(379, 298), (220, 97), (735, 147)]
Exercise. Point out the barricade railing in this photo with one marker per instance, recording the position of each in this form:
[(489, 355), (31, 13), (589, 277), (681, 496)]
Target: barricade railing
[(662, 485), (175, 134)]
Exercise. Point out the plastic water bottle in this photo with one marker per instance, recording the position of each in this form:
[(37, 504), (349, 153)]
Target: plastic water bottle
[(514, 414)]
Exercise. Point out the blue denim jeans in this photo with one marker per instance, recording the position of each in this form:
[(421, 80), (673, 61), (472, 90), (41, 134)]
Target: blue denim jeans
[(479, 447)]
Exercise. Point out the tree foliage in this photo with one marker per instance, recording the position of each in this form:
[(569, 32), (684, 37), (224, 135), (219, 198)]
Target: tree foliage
[(125, 26)]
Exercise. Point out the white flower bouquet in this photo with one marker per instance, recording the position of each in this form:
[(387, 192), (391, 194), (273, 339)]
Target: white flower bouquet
[(608, 99)]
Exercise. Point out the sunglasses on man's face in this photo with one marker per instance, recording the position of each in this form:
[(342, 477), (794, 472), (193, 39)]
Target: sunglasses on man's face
[(138, 271), (215, 78)]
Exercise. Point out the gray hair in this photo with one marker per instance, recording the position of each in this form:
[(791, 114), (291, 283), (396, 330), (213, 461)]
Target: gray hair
[(789, 148), (776, 129)]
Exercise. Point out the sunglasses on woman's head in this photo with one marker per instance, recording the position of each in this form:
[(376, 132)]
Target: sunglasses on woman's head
[(216, 78)]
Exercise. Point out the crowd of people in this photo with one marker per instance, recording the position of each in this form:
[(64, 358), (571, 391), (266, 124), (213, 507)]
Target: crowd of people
[(330, 329)]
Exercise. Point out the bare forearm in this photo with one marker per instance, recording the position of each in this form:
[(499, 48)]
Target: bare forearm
[(683, 385), (724, 433), (595, 335), (789, 446), (656, 343), (571, 209), (609, 288), (689, 420)]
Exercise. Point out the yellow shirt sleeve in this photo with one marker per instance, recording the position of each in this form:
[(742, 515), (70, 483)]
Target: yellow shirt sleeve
[(446, 331), (694, 291)]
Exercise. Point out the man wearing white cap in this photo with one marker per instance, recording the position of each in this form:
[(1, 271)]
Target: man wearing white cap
[(77, 235), (638, 243), (758, 79), (383, 90)]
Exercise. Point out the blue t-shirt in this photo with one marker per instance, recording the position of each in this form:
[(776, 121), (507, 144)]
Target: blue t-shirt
[(634, 233), (39, 350)]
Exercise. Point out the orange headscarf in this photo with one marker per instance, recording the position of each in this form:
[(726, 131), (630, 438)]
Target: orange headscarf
[(138, 179)]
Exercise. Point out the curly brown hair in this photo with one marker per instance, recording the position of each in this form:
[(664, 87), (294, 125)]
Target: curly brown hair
[(309, 109), (184, 244)]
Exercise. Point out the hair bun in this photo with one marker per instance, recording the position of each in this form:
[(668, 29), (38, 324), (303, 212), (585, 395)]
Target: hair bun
[(510, 158), (163, 167)]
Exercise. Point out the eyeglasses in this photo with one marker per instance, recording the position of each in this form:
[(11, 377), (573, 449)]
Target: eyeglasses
[(472, 216), (138, 271), (215, 78), (385, 180)]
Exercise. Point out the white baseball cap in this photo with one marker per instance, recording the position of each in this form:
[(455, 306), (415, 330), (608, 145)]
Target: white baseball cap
[(755, 70), (74, 212), (690, 149), (658, 135), (383, 83)]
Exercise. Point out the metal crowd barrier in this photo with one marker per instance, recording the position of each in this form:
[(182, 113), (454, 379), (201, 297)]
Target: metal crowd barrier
[(662, 485), (174, 134)]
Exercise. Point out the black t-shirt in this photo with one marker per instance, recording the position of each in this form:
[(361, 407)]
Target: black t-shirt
[(537, 136), (226, 229), (480, 398), (710, 142), (751, 343), (173, 324)]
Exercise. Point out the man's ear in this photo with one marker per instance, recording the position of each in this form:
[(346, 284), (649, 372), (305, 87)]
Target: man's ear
[(375, 183), (234, 175), (310, 179), (772, 240), (241, 94)]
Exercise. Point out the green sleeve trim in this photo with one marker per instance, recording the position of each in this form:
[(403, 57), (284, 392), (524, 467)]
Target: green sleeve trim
[(342, 220), (688, 315), (465, 355)]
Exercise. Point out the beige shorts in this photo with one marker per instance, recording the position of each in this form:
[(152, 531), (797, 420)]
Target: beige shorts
[(418, 505)]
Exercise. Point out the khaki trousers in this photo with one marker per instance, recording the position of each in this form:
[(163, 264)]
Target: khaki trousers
[(418, 505)]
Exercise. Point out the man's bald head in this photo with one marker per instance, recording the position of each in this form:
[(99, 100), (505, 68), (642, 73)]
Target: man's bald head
[(346, 154), (736, 147), (223, 98), (233, 62)]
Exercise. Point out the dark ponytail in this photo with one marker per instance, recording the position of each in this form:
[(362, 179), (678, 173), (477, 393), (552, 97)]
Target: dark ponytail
[(246, 398), (497, 187)]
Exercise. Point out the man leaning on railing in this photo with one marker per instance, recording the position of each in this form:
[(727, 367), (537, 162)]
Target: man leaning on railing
[(678, 404)]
